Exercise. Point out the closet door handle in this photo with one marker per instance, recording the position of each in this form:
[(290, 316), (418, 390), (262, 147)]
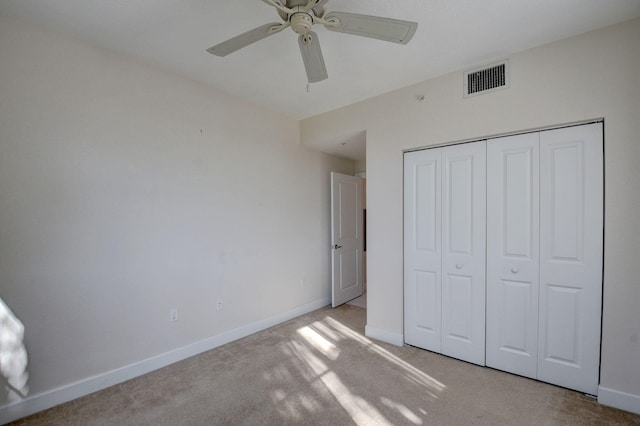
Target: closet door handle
[(515, 270), (337, 247)]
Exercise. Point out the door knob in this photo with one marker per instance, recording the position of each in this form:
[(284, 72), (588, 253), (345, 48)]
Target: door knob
[(515, 270), (459, 266), (337, 247)]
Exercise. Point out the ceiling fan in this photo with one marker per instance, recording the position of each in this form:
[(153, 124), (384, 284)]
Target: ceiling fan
[(301, 15)]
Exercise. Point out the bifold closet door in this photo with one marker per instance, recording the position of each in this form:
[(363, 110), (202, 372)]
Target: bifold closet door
[(422, 249), (444, 235), (463, 251), (571, 244), (544, 255), (513, 253)]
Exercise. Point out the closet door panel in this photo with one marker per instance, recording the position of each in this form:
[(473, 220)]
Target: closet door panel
[(426, 302), (512, 253), (463, 251), (571, 256), (422, 249)]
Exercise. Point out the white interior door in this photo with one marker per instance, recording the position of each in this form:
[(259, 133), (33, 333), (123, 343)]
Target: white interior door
[(346, 238), (571, 235), (513, 253), (463, 251), (422, 249)]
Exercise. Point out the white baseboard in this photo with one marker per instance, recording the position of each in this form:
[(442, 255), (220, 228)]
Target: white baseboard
[(617, 399), (48, 399), (384, 335)]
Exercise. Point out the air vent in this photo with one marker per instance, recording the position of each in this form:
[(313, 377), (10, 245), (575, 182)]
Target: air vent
[(487, 79)]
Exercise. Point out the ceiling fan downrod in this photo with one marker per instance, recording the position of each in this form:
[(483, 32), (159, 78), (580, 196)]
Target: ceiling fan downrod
[(301, 17)]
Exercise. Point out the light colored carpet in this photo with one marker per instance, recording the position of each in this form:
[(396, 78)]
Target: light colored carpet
[(319, 369)]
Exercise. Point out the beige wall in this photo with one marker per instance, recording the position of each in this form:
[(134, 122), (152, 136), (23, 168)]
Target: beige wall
[(594, 75), (126, 191)]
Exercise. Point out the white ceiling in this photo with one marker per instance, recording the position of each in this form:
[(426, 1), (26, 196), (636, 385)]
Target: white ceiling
[(452, 35)]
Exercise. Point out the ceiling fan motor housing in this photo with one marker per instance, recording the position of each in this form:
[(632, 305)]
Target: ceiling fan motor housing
[(301, 22)]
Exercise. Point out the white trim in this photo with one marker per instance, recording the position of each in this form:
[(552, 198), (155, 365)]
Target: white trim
[(505, 134), (617, 399), (384, 335), (51, 398)]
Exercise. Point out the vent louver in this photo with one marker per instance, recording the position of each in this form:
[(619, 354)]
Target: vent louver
[(486, 79)]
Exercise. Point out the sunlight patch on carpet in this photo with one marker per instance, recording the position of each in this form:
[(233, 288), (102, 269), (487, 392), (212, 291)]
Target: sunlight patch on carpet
[(358, 408), (319, 343), (403, 410), (414, 374)]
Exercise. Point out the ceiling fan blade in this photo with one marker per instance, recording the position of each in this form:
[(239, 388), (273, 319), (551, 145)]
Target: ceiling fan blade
[(386, 29), (312, 57), (245, 39)]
